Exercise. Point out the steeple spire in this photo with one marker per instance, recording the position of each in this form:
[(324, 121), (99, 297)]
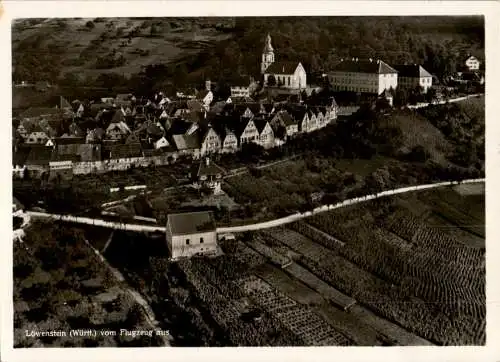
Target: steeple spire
[(267, 55), (268, 47)]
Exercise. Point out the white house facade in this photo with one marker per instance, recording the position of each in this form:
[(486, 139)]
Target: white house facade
[(363, 76), (190, 234), (413, 76)]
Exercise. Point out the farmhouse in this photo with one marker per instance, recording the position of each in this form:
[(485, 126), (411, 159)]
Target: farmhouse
[(413, 76), (363, 76), (191, 233)]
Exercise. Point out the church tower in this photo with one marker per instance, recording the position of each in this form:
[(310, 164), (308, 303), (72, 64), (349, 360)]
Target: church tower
[(267, 55)]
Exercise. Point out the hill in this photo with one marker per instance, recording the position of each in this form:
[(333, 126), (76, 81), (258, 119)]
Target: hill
[(88, 47), (196, 48)]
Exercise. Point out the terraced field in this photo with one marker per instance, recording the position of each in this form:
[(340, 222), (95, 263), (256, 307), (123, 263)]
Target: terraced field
[(408, 273), (406, 266)]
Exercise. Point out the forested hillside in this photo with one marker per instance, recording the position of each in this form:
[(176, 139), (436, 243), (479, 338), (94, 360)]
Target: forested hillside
[(186, 51)]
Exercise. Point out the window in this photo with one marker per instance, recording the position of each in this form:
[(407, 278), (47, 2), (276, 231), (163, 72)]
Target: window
[(201, 240), (288, 80), (187, 241)]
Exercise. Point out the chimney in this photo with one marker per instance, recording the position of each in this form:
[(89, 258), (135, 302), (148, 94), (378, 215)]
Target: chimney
[(208, 85)]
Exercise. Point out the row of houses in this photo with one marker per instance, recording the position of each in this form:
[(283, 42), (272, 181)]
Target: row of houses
[(180, 127)]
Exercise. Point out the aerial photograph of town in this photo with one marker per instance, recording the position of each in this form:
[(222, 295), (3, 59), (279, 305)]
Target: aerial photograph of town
[(248, 181)]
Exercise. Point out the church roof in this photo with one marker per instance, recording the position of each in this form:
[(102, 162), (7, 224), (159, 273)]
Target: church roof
[(283, 67)]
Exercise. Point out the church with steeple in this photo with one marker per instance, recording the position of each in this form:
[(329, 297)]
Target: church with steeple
[(289, 75)]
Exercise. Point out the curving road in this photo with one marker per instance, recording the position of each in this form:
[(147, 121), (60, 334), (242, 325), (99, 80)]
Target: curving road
[(251, 227)]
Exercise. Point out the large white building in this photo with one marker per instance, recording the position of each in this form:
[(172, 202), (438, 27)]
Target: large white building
[(363, 76), (413, 76), (191, 233), (287, 74)]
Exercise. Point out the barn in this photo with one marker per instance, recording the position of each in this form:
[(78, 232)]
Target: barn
[(191, 233)]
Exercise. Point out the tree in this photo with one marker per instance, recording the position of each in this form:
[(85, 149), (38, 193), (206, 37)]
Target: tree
[(400, 97), (90, 24), (431, 95), (271, 81)]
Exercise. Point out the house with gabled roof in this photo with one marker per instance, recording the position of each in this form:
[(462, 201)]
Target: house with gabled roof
[(37, 135), (206, 97), (363, 76), (191, 233), (207, 174), (241, 87), (284, 125), (472, 63), (413, 76), (245, 130), (229, 141), (266, 133), (117, 129), (210, 141)]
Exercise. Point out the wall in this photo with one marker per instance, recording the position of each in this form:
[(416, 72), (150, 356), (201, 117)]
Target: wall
[(387, 81), (179, 248), (121, 164)]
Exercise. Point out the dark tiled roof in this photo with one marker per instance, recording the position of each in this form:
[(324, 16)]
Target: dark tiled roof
[(298, 113), (241, 100), (179, 126), (364, 66), (243, 81), (86, 151), (69, 140), (187, 141), (412, 71), (202, 94), (287, 119), (238, 126), (209, 170), (191, 222), (194, 105), (260, 124), (283, 67), (40, 155)]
